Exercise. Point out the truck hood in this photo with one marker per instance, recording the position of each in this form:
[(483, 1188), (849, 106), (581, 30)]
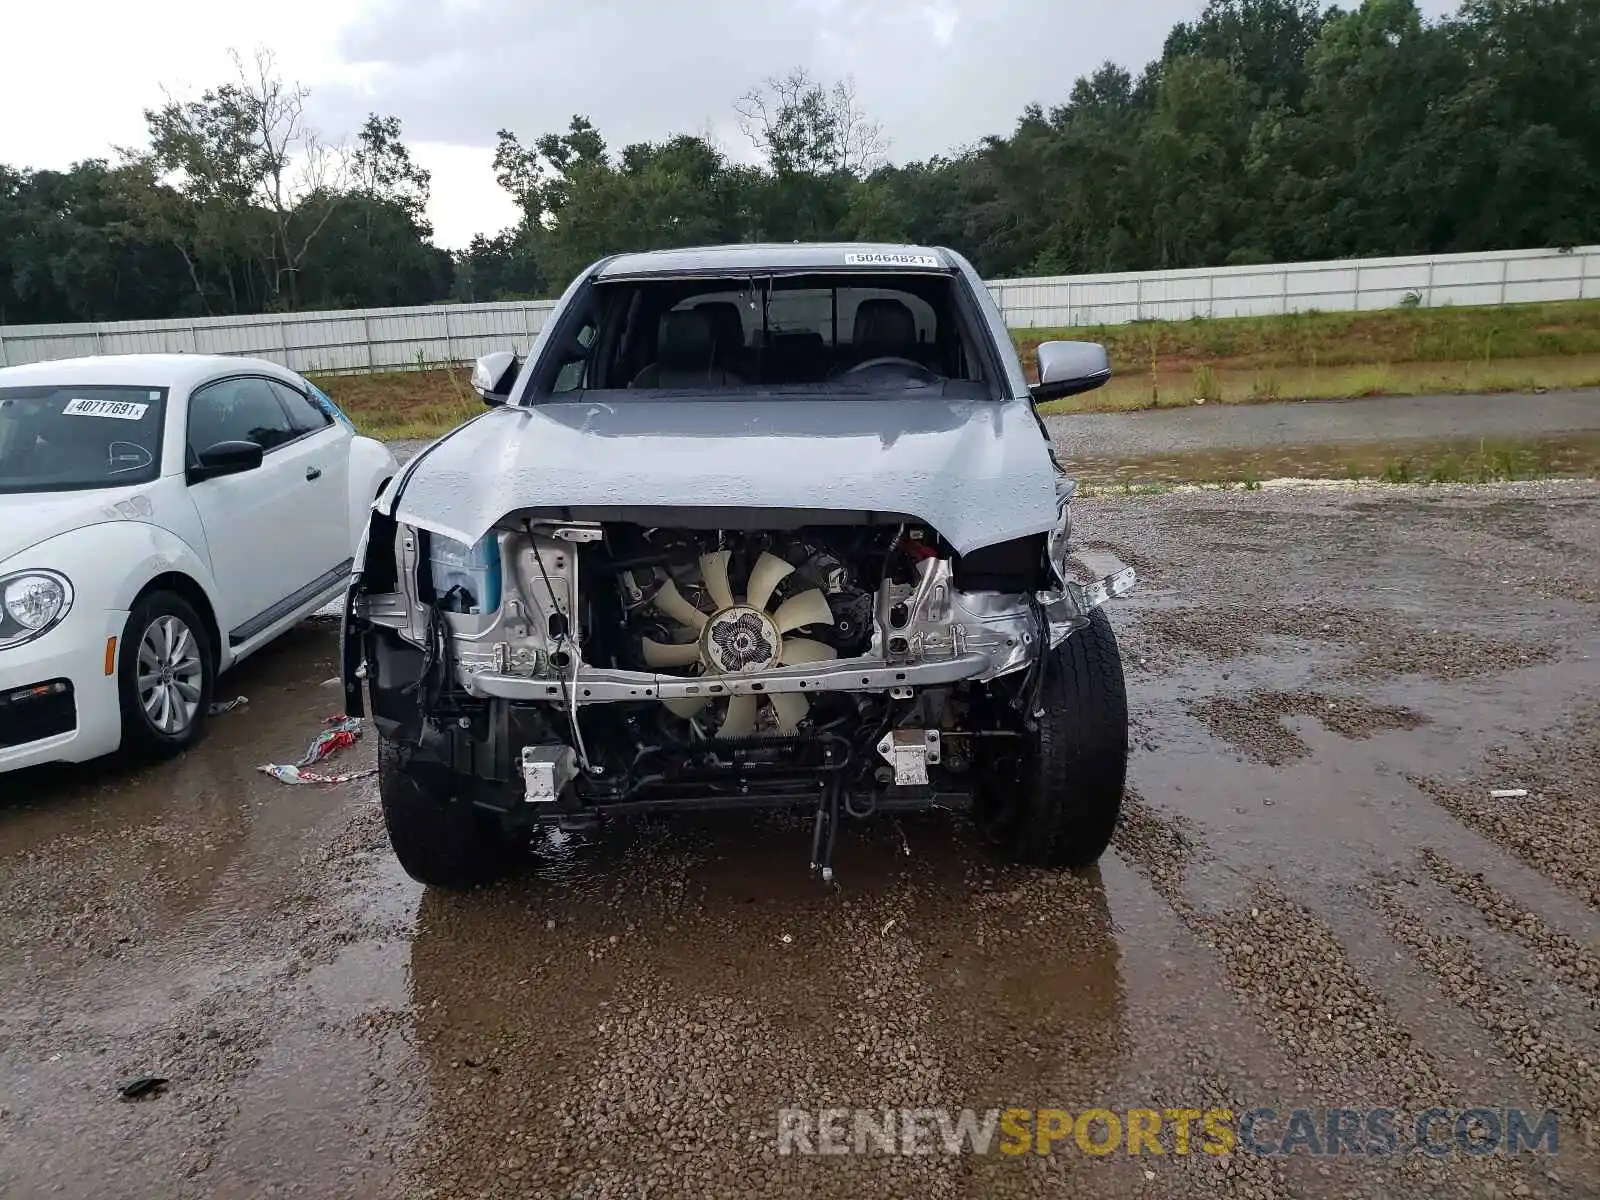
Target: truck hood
[(28, 518), (978, 471)]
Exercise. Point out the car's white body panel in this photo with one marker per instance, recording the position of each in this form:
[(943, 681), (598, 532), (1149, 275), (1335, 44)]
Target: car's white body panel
[(245, 541), (371, 464), (277, 524)]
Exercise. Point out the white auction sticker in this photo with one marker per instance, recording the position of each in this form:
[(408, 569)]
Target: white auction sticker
[(122, 410), (890, 258)]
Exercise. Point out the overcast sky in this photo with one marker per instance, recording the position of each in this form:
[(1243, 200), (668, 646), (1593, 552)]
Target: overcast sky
[(936, 73)]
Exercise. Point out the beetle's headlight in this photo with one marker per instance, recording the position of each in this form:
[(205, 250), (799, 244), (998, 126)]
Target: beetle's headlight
[(31, 602)]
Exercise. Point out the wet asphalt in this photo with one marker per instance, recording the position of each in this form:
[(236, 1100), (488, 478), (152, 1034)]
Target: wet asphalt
[(1313, 900)]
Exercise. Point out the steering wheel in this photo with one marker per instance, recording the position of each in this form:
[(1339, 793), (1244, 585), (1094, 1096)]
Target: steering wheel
[(886, 361)]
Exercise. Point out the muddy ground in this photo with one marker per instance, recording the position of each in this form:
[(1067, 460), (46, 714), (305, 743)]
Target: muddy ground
[(1313, 900)]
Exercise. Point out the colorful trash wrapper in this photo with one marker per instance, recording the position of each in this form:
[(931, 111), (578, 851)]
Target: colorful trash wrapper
[(340, 731), (292, 774)]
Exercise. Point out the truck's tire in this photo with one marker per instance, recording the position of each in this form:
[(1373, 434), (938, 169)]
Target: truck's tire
[(1070, 777), (440, 840)]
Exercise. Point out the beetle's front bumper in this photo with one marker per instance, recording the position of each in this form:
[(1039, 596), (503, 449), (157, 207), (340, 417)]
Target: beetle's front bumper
[(39, 727)]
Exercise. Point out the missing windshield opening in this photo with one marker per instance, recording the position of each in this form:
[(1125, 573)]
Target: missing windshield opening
[(855, 332)]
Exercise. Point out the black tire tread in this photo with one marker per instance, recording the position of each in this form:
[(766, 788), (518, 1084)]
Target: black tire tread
[(440, 841), (1075, 790)]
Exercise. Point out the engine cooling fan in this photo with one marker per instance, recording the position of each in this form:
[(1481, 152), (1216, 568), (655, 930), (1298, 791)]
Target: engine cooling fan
[(741, 636)]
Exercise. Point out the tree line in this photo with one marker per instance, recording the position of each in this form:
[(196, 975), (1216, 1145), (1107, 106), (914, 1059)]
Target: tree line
[(1267, 130)]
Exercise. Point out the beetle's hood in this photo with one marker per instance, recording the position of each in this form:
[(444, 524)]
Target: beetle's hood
[(28, 518), (978, 471)]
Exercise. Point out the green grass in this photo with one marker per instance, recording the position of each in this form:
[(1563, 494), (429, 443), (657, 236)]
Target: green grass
[(1258, 386), (1335, 356), (1206, 385), (1411, 461), (402, 405), (1488, 464), (1431, 335), (1237, 360)]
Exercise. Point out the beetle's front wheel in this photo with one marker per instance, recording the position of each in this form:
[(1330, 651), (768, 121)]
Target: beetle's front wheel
[(165, 674)]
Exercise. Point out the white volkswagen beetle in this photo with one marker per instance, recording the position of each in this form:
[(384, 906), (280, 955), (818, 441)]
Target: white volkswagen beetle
[(161, 517)]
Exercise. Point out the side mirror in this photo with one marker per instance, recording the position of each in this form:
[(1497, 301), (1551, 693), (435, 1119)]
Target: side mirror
[(225, 458), (493, 376), (1067, 368)]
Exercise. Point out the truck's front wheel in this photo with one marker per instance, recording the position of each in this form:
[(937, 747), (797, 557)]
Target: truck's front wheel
[(439, 838), (1060, 807)]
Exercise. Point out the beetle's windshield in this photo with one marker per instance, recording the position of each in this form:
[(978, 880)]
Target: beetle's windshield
[(72, 438)]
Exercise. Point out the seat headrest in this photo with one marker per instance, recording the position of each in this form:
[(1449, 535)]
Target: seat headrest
[(685, 341), (800, 339), (884, 321), (727, 329)]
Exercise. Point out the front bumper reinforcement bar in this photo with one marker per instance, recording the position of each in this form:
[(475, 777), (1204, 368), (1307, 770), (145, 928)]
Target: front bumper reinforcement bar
[(593, 685)]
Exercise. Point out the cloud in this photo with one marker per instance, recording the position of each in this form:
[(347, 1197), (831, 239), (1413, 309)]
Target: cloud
[(936, 74), (78, 76), (464, 197)]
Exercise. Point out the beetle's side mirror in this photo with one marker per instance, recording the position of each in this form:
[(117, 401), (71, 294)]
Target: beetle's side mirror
[(1067, 368), (225, 458), (493, 376)]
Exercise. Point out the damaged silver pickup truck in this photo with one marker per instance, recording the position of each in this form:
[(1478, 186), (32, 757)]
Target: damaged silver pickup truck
[(751, 525)]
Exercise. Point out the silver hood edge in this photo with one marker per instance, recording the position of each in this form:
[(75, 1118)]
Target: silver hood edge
[(977, 471)]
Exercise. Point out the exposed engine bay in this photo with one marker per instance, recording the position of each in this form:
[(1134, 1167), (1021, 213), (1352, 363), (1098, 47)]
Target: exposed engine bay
[(719, 605), (568, 669)]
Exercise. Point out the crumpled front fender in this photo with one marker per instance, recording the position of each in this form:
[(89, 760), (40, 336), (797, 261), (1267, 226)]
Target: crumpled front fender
[(351, 663)]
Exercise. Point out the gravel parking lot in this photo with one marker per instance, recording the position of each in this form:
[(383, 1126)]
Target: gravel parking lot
[(1314, 900)]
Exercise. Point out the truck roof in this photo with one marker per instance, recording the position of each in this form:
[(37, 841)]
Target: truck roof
[(763, 257)]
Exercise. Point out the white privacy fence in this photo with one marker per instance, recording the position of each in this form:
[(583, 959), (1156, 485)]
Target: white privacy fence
[(377, 339), (357, 339), (1348, 285)]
